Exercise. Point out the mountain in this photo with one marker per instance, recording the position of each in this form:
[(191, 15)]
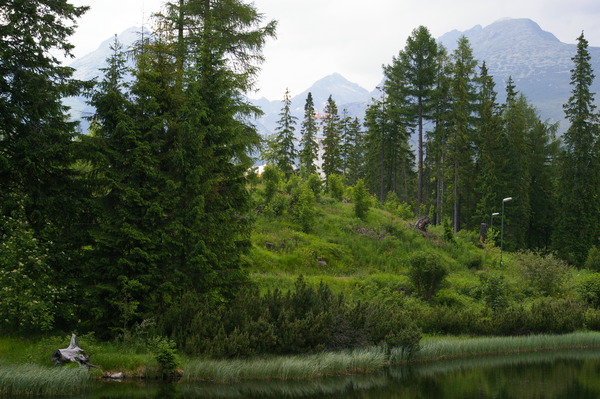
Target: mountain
[(538, 62), (347, 95)]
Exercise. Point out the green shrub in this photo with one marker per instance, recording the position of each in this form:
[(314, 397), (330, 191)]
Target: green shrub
[(448, 231), (592, 319), (589, 290), (272, 178), (278, 204), (545, 274), (165, 354), (315, 183), (335, 186), (405, 211), (303, 210), (427, 273), (592, 261), (556, 316), (361, 199), (494, 291)]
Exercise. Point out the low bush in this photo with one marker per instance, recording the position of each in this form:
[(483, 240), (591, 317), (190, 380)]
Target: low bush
[(427, 273), (589, 290), (303, 320)]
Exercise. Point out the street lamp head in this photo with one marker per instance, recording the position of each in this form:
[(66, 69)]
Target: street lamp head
[(495, 214), (507, 199)]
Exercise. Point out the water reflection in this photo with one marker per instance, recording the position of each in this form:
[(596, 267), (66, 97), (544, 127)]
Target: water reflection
[(565, 375)]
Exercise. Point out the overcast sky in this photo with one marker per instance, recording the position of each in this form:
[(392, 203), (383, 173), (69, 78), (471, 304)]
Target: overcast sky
[(353, 37)]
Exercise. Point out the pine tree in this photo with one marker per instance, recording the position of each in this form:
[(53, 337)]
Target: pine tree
[(38, 146), (437, 143), (308, 154), (285, 151), (332, 140), (462, 91), (416, 67), (355, 152), (578, 220), (489, 157)]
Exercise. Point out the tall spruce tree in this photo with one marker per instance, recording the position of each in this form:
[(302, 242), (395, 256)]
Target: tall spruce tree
[(221, 46), (309, 148), (460, 148), (578, 221), (488, 143), (437, 143), (37, 141), (332, 140), (285, 149), (416, 67)]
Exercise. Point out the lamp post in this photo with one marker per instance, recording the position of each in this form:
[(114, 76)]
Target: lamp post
[(502, 228), (492, 219)]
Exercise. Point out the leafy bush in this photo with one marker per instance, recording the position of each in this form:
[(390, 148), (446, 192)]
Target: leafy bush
[(427, 273), (165, 354), (272, 178), (361, 199), (303, 210), (315, 183), (556, 316), (494, 291), (592, 261), (305, 319), (335, 186), (589, 290), (543, 273)]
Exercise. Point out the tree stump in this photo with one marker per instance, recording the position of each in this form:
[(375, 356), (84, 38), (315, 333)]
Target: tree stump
[(422, 223), (72, 354)]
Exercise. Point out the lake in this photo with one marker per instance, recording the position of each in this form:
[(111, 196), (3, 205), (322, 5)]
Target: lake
[(565, 375)]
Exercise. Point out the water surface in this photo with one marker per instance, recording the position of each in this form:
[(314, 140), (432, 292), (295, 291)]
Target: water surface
[(573, 374)]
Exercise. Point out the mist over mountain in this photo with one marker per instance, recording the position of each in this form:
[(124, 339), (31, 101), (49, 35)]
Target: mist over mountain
[(538, 62)]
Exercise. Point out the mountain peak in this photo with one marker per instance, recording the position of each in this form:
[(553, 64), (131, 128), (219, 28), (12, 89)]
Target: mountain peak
[(503, 31)]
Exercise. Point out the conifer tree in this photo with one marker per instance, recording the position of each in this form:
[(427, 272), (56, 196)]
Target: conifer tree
[(355, 152), (489, 157), (308, 154), (38, 146), (285, 151), (416, 67), (460, 157), (578, 220), (332, 140), (437, 143)]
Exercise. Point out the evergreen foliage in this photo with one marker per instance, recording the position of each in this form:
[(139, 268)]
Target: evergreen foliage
[(308, 153), (332, 141), (578, 227), (285, 151)]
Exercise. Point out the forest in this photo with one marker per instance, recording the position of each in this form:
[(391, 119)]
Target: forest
[(156, 217)]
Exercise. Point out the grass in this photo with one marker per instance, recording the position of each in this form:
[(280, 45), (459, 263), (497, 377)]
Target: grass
[(303, 367), (33, 380), (448, 348)]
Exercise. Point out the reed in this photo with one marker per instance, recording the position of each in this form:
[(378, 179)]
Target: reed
[(363, 360), (31, 380), (453, 348)]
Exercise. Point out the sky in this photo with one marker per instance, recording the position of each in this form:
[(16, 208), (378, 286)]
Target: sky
[(316, 38)]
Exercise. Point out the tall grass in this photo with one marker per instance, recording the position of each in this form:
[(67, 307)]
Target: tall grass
[(363, 360), (33, 380), (453, 348)]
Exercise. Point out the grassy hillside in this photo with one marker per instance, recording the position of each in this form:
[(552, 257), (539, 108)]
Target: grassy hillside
[(370, 260)]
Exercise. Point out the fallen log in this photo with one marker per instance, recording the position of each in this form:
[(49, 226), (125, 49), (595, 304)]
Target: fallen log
[(72, 354)]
